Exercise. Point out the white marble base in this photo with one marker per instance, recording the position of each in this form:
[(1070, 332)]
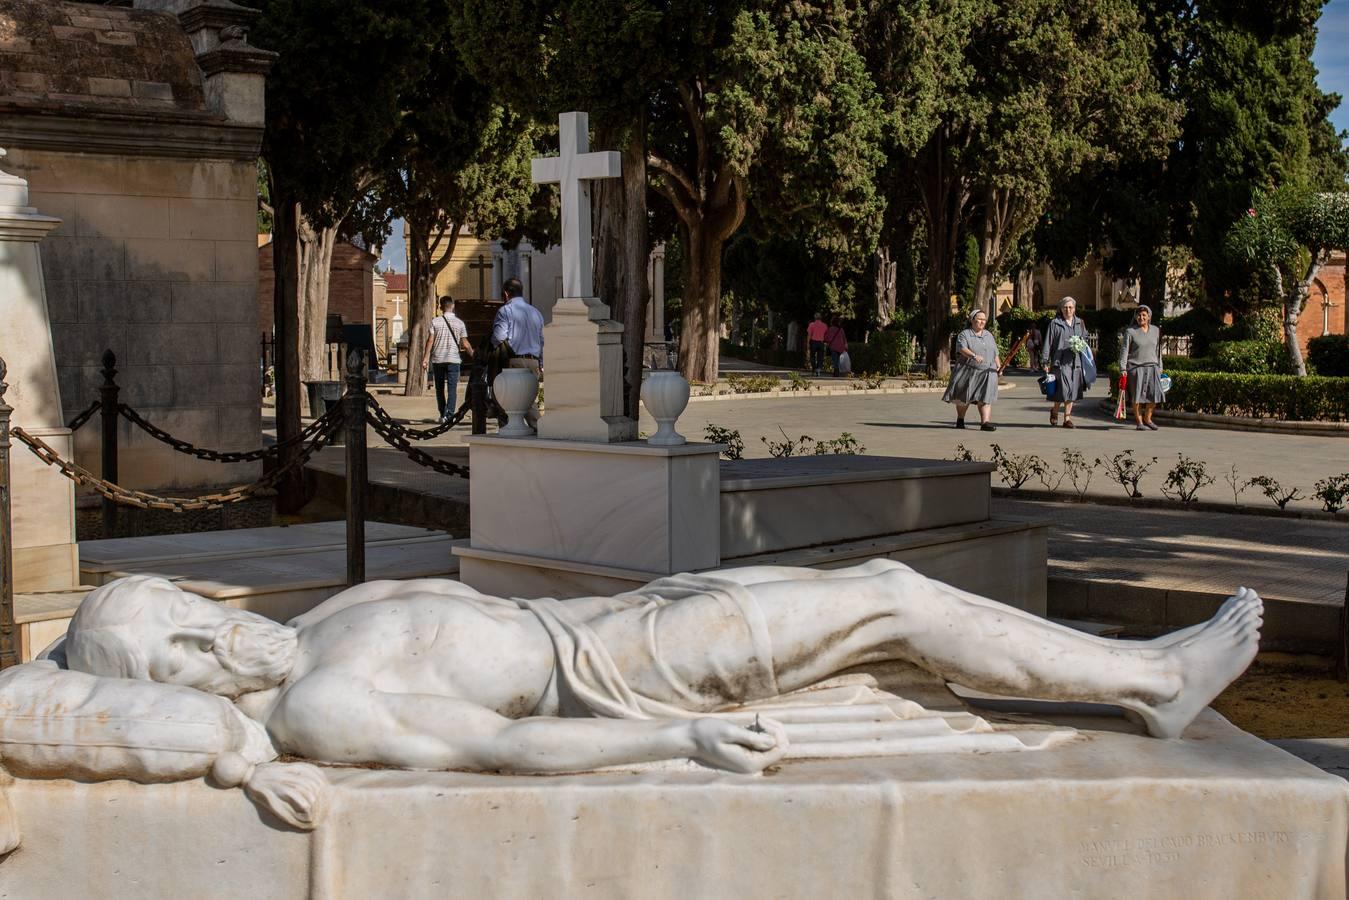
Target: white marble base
[(43, 511), (1002, 559), (770, 505), (1220, 815), (99, 559), (583, 375), (630, 505)]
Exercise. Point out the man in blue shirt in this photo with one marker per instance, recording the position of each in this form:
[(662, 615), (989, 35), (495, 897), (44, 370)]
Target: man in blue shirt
[(520, 326)]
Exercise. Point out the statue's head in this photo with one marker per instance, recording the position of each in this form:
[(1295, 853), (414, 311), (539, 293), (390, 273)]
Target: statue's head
[(147, 628)]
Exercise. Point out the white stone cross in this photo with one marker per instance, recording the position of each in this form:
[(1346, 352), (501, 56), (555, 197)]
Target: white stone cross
[(573, 171)]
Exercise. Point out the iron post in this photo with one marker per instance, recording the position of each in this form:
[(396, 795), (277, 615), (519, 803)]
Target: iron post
[(9, 635), (108, 397), (354, 413)]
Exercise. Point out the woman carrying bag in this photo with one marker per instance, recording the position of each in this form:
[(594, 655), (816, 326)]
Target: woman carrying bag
[(837, 343), (1141, 357), (1062, 358)]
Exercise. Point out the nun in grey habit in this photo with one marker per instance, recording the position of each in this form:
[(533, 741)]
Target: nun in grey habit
[(1059, 360), (974, 378), (1141, 356)]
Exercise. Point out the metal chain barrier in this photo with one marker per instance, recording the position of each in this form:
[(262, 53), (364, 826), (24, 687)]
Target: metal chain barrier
[(417, 434), (79, 421), (331, 426), (228, 456), (394, 435)]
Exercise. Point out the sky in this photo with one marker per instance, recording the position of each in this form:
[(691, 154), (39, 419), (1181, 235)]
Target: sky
[(1332, 56), (1331, 59)]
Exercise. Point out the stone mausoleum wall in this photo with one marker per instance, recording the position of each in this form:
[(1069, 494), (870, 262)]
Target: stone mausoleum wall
[(140, 130)]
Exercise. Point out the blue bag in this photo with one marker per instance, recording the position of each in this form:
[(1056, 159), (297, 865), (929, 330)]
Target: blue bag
[(1088, 368), (1049, 386)]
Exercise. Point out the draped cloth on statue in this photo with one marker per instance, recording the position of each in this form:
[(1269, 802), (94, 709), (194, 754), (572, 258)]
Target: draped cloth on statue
[(641, 655)]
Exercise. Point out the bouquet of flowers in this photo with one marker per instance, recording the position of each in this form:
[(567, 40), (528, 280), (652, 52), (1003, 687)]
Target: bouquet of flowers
[(1077, 345)]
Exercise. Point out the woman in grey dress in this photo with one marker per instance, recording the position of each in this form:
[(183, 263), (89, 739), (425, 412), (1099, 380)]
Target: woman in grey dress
[(1141, 356), (1061, 361), (975, 378)]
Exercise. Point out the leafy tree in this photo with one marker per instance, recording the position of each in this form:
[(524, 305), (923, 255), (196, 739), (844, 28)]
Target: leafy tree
[(456, 159), (773, 106), (332, 100), (995, 103), (607, 60), (1281, 244)]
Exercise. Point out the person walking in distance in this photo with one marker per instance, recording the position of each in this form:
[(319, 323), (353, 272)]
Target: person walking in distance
[(1141, 357), (815, 332), (975, 379), (446, 344), (518, 327), (837, 343), (1063, 361)]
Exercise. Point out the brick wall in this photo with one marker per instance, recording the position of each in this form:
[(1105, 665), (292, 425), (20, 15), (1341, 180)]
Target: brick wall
[(350, 287), (1329, 285), (156, 260)]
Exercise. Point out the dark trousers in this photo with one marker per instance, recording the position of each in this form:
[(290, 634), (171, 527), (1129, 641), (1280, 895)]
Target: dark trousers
[(446, 376), (817, 356)]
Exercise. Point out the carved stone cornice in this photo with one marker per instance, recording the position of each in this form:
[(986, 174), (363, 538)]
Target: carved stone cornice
[(236, 56), (133, 135)]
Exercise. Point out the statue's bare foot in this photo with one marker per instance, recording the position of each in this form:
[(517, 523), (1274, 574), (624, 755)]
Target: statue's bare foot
[(1206, 660), (1231, 606)]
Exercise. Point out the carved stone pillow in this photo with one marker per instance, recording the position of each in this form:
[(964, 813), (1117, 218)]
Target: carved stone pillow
[(55, 723)]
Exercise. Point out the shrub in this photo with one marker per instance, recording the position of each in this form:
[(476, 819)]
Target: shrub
[(752, 384), (1276, 492), (1332, 492), (869, 381), (888, 352), (1186, 479), (1172, 364), (1079, 469), (1246, 357), (964, 454), (1329, 355), (843, 445), (798, 382), (735, 446), (1127, 472), (1015, 469), (787, 447), (1286, 397)]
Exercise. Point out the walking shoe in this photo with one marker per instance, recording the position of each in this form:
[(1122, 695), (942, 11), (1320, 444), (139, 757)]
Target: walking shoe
[(988, 426), (960, 423), (1068, 423), (1140, 428), (1150, 425)]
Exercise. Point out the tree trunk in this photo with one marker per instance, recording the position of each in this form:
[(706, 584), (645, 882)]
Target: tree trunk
[(990, 257), (315, 260), (887, 288), (1292, 311), (286, 322), (1152, 284), (945, 195), (622, 250), (700, 329), (421, 303)]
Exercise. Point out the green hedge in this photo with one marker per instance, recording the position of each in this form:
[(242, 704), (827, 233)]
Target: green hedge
[(1286, 397), (888, 352), (1329, 355)]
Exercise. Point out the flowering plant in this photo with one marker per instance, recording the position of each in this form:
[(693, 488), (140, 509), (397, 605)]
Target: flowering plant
[(1077, 345)]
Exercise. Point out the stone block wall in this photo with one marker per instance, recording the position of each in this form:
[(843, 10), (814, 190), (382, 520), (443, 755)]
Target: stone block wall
[(155, 259)]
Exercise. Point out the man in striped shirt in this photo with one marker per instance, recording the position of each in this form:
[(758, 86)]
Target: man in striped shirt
[(446, 343)]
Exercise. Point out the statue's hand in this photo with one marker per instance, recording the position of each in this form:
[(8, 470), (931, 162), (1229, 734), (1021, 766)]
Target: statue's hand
[(725, 745)]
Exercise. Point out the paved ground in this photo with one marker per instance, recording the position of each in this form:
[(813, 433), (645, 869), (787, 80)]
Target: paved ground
[(1183, 550), (920, 424)]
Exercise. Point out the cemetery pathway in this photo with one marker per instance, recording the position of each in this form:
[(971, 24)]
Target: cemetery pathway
[(920, 424)]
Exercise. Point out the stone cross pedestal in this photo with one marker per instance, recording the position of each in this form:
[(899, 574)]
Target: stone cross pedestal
[(43, 503), (583, 346)]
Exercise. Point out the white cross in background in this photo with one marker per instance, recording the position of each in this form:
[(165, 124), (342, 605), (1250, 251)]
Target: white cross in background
[(573, 171)]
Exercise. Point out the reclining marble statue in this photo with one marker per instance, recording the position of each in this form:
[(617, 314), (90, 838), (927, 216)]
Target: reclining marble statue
[(431, 674)]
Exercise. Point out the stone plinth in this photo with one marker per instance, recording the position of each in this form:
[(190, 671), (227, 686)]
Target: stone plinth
[(626, 506), (43, 500), (1219, 815), (771, 505), (583, 380)]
